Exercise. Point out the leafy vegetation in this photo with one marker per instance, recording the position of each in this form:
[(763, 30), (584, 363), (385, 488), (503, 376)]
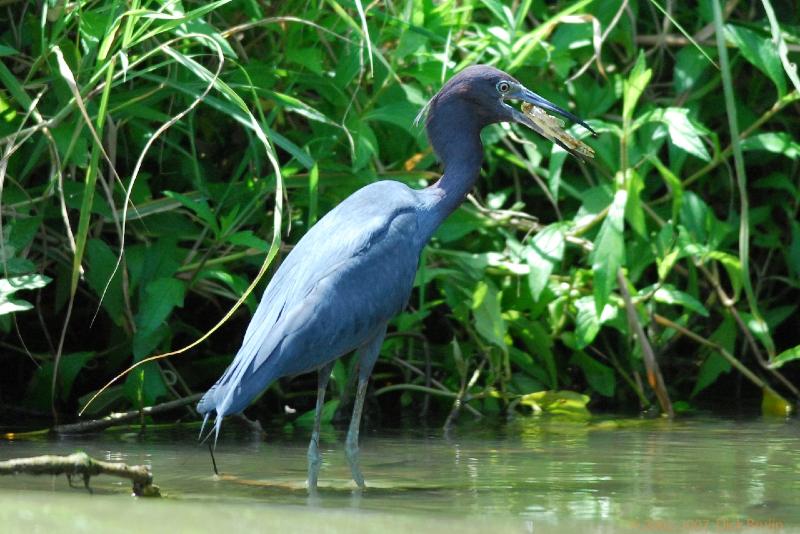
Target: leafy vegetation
[(155, 154)]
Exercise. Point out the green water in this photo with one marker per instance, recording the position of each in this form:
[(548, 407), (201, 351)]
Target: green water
[(529, 475)]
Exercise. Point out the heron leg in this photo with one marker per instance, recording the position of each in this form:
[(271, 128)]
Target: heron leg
[(367, 354), (314, 457)]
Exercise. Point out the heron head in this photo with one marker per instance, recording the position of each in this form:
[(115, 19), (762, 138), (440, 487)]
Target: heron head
[(481, 95)]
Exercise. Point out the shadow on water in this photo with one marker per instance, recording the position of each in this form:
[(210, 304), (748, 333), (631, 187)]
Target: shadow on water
[(699, 474)]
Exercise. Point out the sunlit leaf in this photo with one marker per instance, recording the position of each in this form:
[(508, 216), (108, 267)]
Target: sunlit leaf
[(587, 320), (199, 206), (668, 294), (144, 386), (775, 142), (685, 132), (9, 286), (487, 311), (565, 403), (609, 250), (673, 182), (545, 251), (760, 51), (786, 356), (634, 86)]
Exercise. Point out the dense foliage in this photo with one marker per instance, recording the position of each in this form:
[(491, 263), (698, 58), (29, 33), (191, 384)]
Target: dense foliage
[(154, 153)]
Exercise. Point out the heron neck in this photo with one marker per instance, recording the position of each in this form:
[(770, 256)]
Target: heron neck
[(457, 142), (454, 133), (457, 181)]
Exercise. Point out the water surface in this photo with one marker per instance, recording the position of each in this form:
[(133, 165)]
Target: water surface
[(528, 475)]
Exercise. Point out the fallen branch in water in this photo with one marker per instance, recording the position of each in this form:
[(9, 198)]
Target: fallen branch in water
[(82, 464), (115, 418)]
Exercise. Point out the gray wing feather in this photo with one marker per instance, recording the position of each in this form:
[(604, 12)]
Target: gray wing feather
[(346, 277)]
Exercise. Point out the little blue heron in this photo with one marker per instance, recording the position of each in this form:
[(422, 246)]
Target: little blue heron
[(353, 271)]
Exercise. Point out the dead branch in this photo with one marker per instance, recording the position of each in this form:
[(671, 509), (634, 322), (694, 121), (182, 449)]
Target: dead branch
[(112, 419), (84, 465)]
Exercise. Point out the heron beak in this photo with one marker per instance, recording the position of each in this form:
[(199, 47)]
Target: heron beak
[(526, 95)]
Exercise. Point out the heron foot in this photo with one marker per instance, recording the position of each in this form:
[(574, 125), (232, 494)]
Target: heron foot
[(314, 463), (351, 451)]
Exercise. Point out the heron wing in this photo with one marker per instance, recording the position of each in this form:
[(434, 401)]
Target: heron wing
[(346, 277)]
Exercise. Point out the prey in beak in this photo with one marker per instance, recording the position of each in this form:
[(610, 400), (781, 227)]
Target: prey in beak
[(534, 115)]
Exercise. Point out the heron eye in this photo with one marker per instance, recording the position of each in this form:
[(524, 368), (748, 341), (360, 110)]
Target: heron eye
[(503, 87)]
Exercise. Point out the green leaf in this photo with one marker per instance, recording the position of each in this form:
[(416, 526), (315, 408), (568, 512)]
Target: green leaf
[(673, 182), (715, 364), (668, 294), (326, 416), (759, 328), (177, 18), (564, 403), (546, 249), (761, 52), (247, 238), (732, 266), (634, 86), (609, 250), (538, 342), (634, 213), (9, 286), (160, 297), (104, 402), (14, 87), (8, 51), (68, 369), (780, 44), (200, 208), (775, 142), (40, 388), (710, 370), (588, 322), (398, 113), (685, 132), (786, 356), (793, 253), (461, 222), (145, 385), (598, 375), (100, 264), (690, 69), (487, 311)]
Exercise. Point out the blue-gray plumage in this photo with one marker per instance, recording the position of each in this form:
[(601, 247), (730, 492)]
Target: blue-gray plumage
[(353, 271)]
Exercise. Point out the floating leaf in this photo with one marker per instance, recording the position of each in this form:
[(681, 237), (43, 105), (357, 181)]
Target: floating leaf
[(773, 405), (566, 403)]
